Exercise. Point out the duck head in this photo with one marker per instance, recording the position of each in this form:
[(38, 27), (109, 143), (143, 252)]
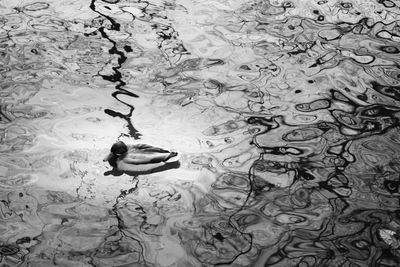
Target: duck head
[(119, 148)]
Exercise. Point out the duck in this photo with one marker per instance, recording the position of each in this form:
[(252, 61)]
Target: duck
[(139, 157)]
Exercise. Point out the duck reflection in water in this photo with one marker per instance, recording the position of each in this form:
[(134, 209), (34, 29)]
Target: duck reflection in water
[(140, 159)]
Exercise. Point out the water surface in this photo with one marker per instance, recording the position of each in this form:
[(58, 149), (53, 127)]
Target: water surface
[(286, 115)]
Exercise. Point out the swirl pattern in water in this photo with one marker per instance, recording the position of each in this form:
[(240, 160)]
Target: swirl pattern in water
[(285, 113)]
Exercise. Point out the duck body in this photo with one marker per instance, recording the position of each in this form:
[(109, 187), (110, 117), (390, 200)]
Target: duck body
[(139, 157)]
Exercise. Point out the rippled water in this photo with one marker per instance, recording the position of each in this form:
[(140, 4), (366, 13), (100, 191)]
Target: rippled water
[(286, 114)]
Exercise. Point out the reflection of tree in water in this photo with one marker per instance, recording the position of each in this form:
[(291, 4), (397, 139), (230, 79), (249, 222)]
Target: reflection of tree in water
[(328, 177), (302, 144)]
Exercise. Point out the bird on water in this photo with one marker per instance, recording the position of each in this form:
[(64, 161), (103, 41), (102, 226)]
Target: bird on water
[(139, 157)]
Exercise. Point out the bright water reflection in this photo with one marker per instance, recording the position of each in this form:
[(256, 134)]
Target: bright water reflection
[(285, 113)]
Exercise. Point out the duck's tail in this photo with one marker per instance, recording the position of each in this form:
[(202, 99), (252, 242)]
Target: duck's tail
[(172, 157)]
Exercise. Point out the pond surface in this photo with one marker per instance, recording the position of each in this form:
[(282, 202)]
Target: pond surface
[(285, 114)]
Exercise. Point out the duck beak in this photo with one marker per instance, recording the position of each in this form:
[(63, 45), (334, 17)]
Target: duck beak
[(108, 157)]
